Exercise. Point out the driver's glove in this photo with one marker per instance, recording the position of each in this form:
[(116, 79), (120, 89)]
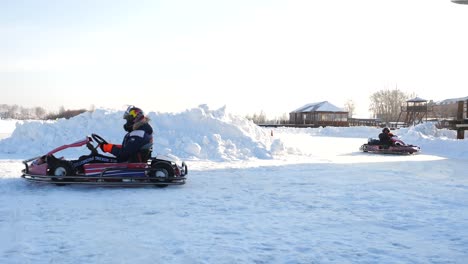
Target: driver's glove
[(106, 147)]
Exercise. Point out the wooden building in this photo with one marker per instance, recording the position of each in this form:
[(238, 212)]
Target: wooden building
[(318, 114), (446, 109), (457, 121)]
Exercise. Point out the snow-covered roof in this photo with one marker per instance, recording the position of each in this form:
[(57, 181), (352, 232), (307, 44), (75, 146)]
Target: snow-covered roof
[(417, 100), (324, 106), (453, 100)]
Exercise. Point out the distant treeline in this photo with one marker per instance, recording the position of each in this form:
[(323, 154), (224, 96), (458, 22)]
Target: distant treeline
[(36, 113), (261, 118)]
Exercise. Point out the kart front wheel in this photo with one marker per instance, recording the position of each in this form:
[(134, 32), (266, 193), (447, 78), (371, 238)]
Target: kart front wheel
[(61, 170), (364, 148)]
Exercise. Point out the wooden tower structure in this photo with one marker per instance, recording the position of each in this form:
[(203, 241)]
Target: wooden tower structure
[(414, 112)]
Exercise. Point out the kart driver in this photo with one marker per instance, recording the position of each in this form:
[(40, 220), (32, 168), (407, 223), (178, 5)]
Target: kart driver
[(137, 143), (386, 137)]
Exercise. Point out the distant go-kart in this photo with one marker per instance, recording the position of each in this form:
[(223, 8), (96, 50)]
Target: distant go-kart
[(97, 169), (397, 147)]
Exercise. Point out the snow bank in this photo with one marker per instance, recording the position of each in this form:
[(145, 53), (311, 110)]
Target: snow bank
[(198, 133), (201, 133), (7, 125)]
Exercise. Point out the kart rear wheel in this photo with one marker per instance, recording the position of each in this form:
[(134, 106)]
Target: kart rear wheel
[(161, 172)]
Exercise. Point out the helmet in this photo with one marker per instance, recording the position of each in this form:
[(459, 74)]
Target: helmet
[(132, 115), (386, 130)]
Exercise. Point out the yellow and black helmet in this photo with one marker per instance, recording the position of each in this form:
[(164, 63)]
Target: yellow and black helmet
[(133, 114)]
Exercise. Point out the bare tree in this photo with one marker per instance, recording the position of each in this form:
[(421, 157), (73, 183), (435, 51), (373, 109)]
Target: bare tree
[(62, 110), (284, 119), (258, 118), (386, 104), (350, 107), (21, 113), (40, 112), (25, 113), (13, 111)]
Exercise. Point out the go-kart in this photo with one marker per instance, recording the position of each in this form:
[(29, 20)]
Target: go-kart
[(98, 169), (397, 147)]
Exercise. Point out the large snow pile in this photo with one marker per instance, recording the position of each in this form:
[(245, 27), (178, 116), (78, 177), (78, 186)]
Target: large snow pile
[(204, 134), (198, 133), (6, 127)]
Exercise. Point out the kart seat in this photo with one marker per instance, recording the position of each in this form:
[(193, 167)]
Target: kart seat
[(143, 154), (373, 141)]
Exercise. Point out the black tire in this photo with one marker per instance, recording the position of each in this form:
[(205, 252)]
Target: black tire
[(161, 172), (364, 148), (61, 169)]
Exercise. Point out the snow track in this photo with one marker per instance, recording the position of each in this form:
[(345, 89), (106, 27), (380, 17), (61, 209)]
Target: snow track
[(378, 212)]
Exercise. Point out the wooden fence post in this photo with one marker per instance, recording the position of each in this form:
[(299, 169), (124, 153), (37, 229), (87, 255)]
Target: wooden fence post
[(461, 128)]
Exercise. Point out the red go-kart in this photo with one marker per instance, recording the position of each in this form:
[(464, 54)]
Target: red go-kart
[(98, 169)]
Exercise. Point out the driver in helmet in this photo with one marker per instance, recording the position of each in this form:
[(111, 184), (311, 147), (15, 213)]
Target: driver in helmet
[(139, 135), (386, 137)]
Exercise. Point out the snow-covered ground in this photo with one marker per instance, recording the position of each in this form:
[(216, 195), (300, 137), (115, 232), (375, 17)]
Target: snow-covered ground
[(254, 195)]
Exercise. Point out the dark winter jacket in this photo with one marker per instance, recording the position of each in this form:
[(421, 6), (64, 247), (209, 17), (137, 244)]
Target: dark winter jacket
[(386, 138), (141, 135)]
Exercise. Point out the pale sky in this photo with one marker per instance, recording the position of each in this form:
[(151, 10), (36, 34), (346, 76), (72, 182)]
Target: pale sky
[(249, 55)]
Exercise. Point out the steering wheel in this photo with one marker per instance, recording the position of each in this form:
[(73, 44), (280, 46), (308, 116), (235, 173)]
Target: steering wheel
[(99, 140)]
